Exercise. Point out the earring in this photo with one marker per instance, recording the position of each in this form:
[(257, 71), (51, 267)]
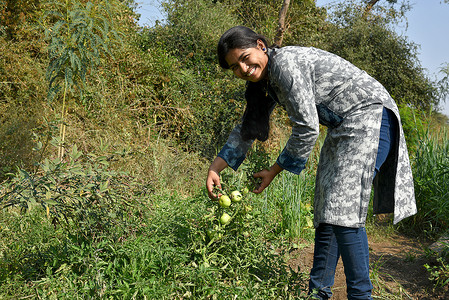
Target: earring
[(263, 49)]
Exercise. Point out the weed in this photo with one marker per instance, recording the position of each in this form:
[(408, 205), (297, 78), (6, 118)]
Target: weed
[(439, 274)]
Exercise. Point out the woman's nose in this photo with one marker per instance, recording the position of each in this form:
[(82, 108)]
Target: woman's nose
[(243, 67)]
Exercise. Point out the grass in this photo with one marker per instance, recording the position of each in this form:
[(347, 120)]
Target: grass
[(382, 291), (159, 247), (431, 178), (160, 257), (160, 250), (84, 228)]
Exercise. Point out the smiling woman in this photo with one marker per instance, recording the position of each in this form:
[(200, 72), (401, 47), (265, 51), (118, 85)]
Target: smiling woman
[(249, 64), (240, 39), (364, 141)]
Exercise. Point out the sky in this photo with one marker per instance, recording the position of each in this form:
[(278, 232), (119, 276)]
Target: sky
[(428, 26)]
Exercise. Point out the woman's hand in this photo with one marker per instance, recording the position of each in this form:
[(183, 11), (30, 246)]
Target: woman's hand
[(213, 180), (267, 176), (213, 177)]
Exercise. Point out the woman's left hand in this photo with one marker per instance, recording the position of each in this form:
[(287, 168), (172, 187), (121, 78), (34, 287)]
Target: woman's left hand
[(267, 176)]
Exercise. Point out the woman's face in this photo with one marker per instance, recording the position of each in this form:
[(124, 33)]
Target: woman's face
[(249, 64)]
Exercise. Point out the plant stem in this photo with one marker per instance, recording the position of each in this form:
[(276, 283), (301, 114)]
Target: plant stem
[(62, 127)]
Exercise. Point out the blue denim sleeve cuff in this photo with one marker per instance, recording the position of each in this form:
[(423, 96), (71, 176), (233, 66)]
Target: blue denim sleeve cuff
[(291, 163), (232, 156)]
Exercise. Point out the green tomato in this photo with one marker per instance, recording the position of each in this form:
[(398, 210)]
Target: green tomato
[(236, 196), (245, 191), (210, 233), (225, 219), (224, 201)]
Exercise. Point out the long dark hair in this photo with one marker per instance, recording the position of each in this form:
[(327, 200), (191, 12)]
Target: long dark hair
[(238, 37), (256, 119), (259, 105)]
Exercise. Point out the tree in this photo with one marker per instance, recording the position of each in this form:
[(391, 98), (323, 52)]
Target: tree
[(281, 25), (369, 6), (79, 34), (370, 44)]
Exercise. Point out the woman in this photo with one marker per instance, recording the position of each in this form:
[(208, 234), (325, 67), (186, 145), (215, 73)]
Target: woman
[(364, 140)]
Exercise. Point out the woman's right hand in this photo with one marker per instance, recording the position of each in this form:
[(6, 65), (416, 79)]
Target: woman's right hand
[(212, 181), (213, 176)]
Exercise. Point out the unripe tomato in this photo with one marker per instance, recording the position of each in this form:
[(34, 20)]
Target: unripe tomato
[(236, 196), (245, 191), (224, 201), (225, 219), (211, 233)]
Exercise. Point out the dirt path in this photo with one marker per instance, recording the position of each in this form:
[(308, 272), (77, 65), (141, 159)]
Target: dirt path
[(397, 268)]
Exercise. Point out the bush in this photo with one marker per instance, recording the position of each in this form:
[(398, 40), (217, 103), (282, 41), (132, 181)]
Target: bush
[(85, 198), (122, 240), (413, 123)]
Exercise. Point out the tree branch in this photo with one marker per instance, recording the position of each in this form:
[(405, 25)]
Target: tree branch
[(369, 6), (281, 25)]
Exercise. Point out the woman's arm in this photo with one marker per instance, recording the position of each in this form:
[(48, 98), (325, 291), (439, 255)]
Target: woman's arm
[(292, 76)]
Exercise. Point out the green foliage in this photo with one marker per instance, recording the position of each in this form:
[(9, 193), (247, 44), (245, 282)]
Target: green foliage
[(292, 197), (13, 15), (195, 102), (371, 44), (234, 247), (79, 33), (288, 199), (84, 197), (439, 273), (257, 159), (414, 124), (16, 138), (81, 228), (304, 20), (261, 16), (22, 89), (443, 84), (431, 178), (307, 25), (194, 27), (162, 251)]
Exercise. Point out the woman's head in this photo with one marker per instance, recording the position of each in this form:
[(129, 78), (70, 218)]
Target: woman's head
[(244, 52)]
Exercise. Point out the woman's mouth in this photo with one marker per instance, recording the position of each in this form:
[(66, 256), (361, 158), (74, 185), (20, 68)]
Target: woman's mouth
[(250, 72)]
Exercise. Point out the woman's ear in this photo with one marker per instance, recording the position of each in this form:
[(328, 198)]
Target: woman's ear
[(261, 45)]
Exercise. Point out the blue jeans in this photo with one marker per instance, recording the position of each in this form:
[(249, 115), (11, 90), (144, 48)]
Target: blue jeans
[(387, 137), (351, 244)]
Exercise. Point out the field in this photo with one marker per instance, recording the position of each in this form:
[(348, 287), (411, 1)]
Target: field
[(78, 230), (107, 130)]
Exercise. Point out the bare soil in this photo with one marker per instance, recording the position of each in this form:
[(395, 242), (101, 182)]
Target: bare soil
[(397, 269)]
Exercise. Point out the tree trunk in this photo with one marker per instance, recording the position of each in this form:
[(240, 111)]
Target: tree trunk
[(281, 25), (369, 6)]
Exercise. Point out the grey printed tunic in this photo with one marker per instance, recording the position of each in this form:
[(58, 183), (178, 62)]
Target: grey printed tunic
[(315, 86)]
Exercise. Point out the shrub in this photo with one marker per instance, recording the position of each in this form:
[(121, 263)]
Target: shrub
[(84, 198)]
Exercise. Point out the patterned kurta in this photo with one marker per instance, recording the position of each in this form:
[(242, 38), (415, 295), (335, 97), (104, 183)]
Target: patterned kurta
[(315, 86)]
